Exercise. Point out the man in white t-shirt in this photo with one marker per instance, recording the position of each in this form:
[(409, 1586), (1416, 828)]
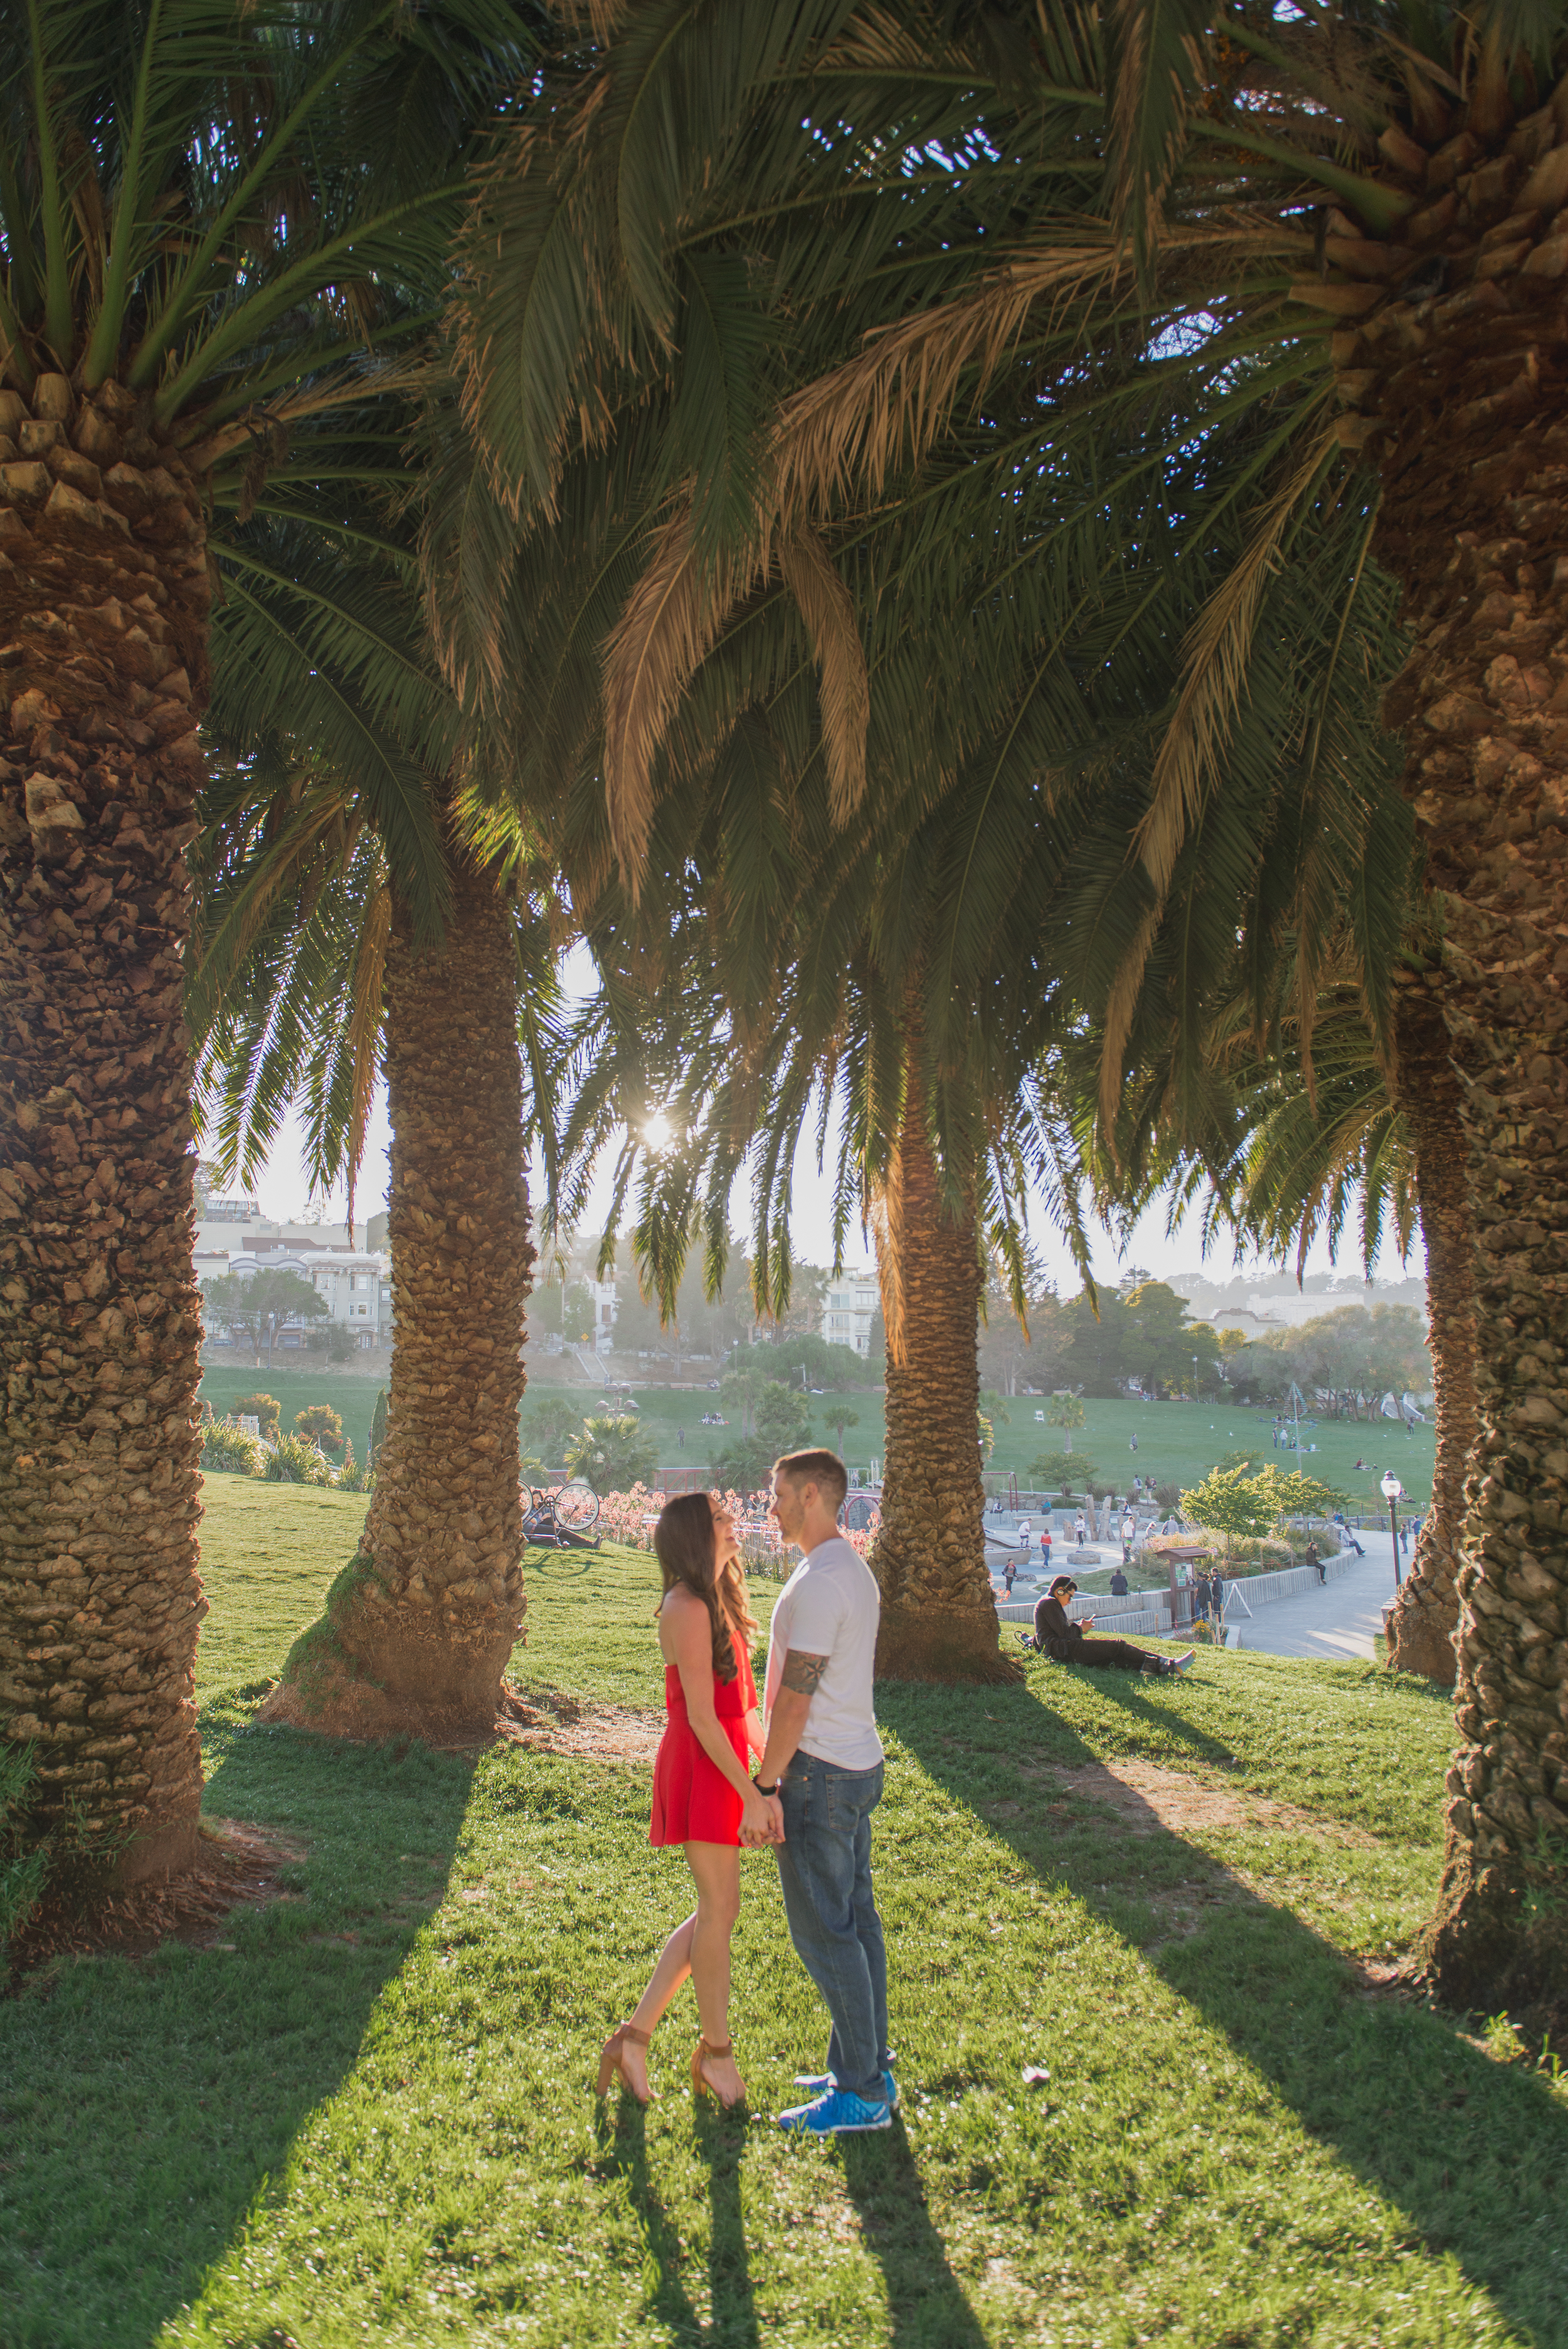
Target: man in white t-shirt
[(824, 1769)]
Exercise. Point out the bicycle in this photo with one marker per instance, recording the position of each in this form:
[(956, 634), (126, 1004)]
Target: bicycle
[(562, 1516)]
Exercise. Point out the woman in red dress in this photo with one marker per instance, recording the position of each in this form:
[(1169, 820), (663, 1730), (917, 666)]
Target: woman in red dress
[(703, 1798)]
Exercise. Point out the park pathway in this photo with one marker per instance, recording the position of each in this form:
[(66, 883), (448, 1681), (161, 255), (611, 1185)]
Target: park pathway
[(1338, 1620)]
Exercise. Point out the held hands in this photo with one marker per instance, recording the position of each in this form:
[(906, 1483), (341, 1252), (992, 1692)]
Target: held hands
[(761, 1820)]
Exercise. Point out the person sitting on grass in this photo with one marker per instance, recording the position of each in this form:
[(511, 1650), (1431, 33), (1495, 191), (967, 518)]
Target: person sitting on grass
[(1056, 1634), (1118, 1584)]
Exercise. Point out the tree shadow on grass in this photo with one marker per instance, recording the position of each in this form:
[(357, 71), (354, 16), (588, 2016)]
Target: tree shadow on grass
[(147, 2102), (720, 2140), (1473, 2152)]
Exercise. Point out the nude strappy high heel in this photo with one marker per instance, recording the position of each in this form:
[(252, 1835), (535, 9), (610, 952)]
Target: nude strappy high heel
[(610, 2064), (701, 2085)]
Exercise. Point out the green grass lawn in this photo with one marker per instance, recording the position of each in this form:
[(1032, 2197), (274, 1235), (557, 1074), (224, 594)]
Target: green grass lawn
[(1177, 1442), (363, 2116), (351, 1393)]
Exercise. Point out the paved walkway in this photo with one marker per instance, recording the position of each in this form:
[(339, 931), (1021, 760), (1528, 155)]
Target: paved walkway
[(1338, 1620)]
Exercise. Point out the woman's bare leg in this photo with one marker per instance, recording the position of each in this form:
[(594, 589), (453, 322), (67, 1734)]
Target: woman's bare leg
[(715, 1868), (674, 1965)]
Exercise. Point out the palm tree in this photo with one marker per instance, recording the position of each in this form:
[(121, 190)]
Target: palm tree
[(348, 925), (931, 970), (216, 221), (1346, 227)]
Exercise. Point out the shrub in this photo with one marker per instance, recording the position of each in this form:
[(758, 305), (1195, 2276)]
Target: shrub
[(745, 1466), (319, 1423), (352, 1477), (1061, 1472), (264, 1408), (612, 1453), (377, 1428), (224, 1446), (292, 1461)]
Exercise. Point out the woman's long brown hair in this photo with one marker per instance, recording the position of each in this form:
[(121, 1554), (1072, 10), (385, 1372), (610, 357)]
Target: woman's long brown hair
[(686, 1549)]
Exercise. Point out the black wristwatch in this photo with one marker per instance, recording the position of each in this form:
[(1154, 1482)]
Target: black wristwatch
[(761, 1789)]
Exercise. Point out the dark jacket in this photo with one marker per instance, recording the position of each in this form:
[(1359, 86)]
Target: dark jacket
[(1055, 1629)]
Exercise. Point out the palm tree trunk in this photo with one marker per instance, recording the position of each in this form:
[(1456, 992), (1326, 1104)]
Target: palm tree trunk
[(938, 1615), (1425, 1615), (1465, 415), (420, 1628), (103, 618)]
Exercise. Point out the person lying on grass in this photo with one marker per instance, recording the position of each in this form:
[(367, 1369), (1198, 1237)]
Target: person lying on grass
[(703, 1798), (1056, 1634)]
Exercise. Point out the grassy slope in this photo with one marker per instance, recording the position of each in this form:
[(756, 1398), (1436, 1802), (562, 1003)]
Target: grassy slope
[(1176, 1441), (365, 2119), (352, 1394)]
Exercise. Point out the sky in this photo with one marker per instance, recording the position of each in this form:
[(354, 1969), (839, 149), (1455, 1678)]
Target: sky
[(282, 1191)]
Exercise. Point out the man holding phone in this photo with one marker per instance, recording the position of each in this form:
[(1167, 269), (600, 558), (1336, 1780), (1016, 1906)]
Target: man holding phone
[(1056, 1634)]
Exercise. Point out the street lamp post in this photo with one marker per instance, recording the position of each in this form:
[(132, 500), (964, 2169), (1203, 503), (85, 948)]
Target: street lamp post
[(1392, 1488)]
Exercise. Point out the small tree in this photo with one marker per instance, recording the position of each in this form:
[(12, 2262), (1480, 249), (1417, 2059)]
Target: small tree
[(783, 1419), (1298, 1495), (1245, 1508), (993, 1413), (612, 1452), (1059, 1472), (378, 1430), (319, 1423), (264, 1408), (743, 1466), (551, 1425), (742, 1389), (1231, 1504), (279, 1296), (840, 1418), (1066, 1412)]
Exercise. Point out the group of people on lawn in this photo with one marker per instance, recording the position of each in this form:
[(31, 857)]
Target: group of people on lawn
[(817, 1777)]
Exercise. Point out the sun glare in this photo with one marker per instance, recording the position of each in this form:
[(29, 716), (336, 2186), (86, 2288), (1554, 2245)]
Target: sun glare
[(656, 1131)]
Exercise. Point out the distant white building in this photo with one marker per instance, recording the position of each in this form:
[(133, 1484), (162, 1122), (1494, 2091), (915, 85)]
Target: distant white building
[(606, 1306), (355, 1284), (848, 1309), (1242, 1318), (1287, 1308)]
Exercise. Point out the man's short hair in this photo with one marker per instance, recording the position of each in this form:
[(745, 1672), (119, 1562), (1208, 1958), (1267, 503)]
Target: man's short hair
[(824, 1469)]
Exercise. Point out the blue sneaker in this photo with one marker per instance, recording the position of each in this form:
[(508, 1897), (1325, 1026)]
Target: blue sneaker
[(818, 2084), (837, 2114)]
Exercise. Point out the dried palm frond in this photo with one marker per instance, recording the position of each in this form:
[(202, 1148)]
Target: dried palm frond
[(826, 606), (671, 621), (888, 405)]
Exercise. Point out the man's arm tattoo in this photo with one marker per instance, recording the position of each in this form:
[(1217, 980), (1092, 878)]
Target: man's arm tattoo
[(802, 1672)]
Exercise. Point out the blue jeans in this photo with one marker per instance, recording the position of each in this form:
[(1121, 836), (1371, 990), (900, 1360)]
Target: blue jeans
[(825, 1871)]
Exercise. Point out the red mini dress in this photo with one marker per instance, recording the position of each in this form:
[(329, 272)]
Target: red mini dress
[(693, 1802)]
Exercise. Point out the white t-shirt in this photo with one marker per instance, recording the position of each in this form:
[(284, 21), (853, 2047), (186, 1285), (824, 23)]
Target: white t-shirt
[(831, 1606)]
